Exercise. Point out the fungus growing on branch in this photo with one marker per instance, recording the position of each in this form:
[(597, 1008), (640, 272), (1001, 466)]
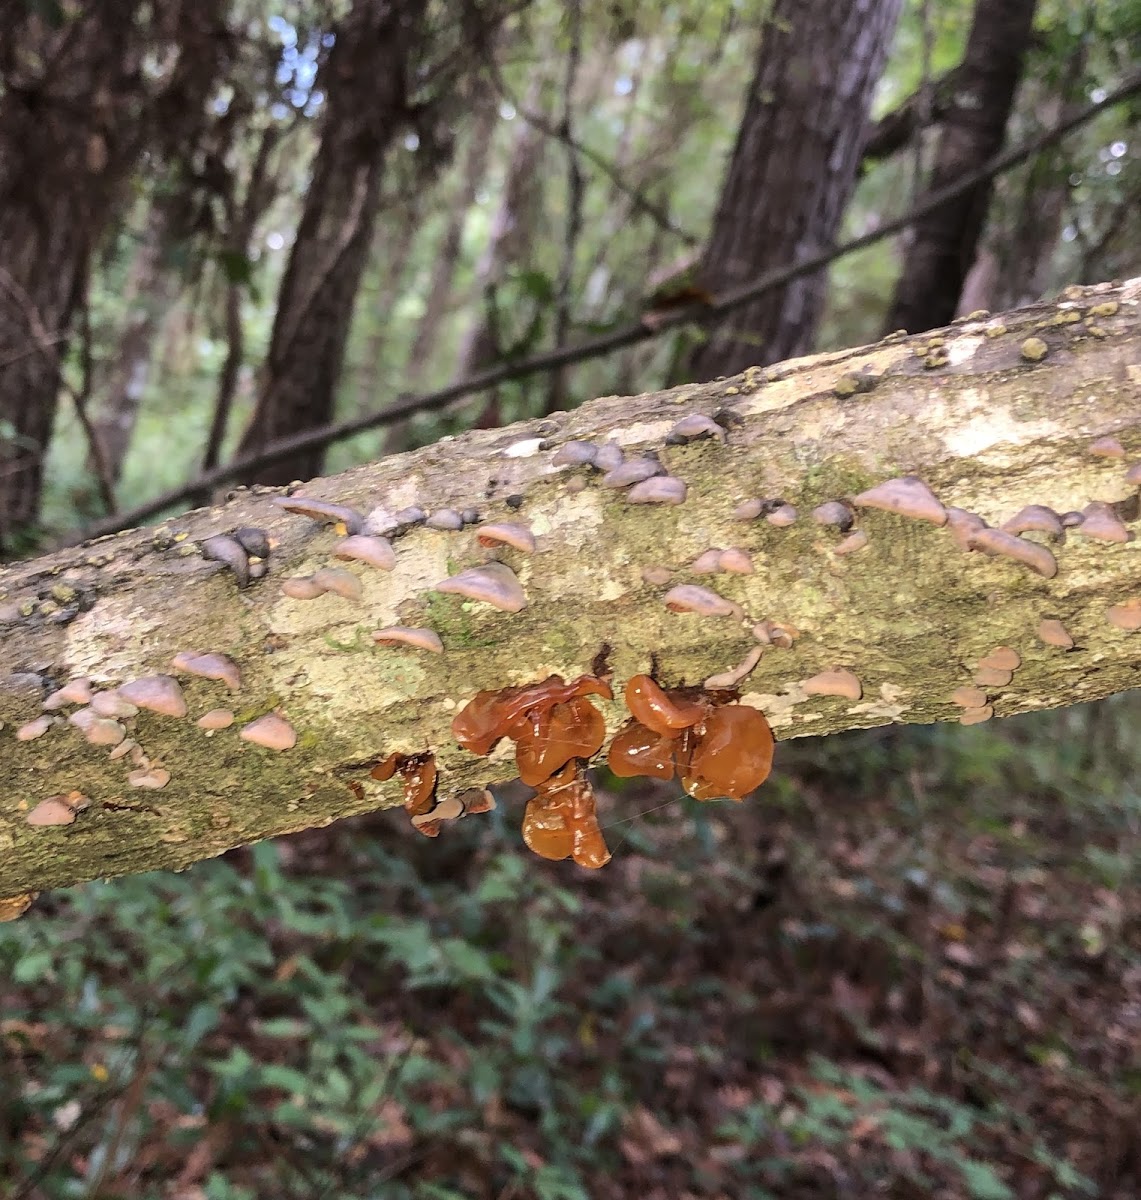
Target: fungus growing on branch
[(908, 496), (344, 519)]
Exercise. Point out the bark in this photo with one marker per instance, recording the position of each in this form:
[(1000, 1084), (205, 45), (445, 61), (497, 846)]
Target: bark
[(792, 172), (367, 86), (987, 427), (67, 136), (943, 245)]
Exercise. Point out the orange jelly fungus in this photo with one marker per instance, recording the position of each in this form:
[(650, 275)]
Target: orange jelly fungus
[(656, 709), (544, 742), (489, 716), (733, 754), (637, 750), (561, 821), (419, 774)]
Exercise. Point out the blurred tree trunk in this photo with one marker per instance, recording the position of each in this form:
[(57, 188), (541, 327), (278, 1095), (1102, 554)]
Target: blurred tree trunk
[(792, 172), (67, 135), (943, 245), (367, 83), (910, 614)]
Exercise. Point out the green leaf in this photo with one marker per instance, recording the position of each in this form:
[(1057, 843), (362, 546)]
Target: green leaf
[(982, 1182)]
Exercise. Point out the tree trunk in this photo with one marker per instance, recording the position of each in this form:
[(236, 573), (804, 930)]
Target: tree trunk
[(67, 134), (366, 86), (792, 172), (943, 245), (1002, 417)]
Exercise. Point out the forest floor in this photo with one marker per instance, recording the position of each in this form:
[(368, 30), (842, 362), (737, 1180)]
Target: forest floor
[(909, 967)]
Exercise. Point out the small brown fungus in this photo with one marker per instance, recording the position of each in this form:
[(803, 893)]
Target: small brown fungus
[(216, 718), (908, 496), (53, 811), (405, 635), (223, 548), (734, 676), (1037, 518), (158, 693), (1107, 447), (35, 728), (375, 551), (708, 562), (993, 677), (122, 749), (608, 457), (663, 489), (345, 519), (219, 667), (774, 633), (636, 470), (854, 542), (111, 704), (445, 519), (1133, 475), (338, 581), (689, 597), (782, 516), (1070, 520), (271, 731), (657, 576), (997, 542), (254, 541), (976, 716), (575, 454), (477, 800), (302, 587), (1100, 521), (103, 731), (1054, 633), (735, 561), (75, 691), (149, 777), (834, 513), (493, 583), (840, 682), (963, 525), (1002, 658), (968, 697), (1125, 616), (504, 533), (692, 427), (748, 510)]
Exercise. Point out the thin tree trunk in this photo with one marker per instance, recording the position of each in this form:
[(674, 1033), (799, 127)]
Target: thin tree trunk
[(66, 139), (366, 84), (909, 615), (792, 172), (943, 245)]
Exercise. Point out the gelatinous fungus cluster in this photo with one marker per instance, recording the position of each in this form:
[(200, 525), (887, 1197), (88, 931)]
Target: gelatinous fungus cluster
[(716, 748)]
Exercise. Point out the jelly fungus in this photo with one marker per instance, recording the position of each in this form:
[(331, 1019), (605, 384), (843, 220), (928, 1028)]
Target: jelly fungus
[(219, 667), (733, 754), (656, 576), (419, 775), (782, 516), (545, 742), (158, 693), (216, 718), (656, 709), (223, 548), (102, 731), (996, 542), (518, 537), (75, 691), (689, 597), (1037, 518), (708, 562), (338, 581), (696, 425), (449, 809), (834, 683), (35, 728), (1002, 658), (608, 457), (834, 513), (908, 496), (13, 907), (663, 489), (1054, 633), (271, 731), (855, 541), (347, 520), (968, 697), (575, 454), (374, 551), (774, 633), (748, 510), (253, 541), (1125, 616), (405, 635), (637, 750), (447, 519), (1133, 475), (976, 716), (122, 749), (731, 678), (493, 584), (1107, 447), (561, 820), (993, 677), (477, 800), (111, 704), (490, 716), (149, 777), (963, 525), (1100, 521), (636, 470), (54, 811), (302, 587), (736, 561)]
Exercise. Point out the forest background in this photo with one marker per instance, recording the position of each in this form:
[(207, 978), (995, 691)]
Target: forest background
[(912, 967)]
